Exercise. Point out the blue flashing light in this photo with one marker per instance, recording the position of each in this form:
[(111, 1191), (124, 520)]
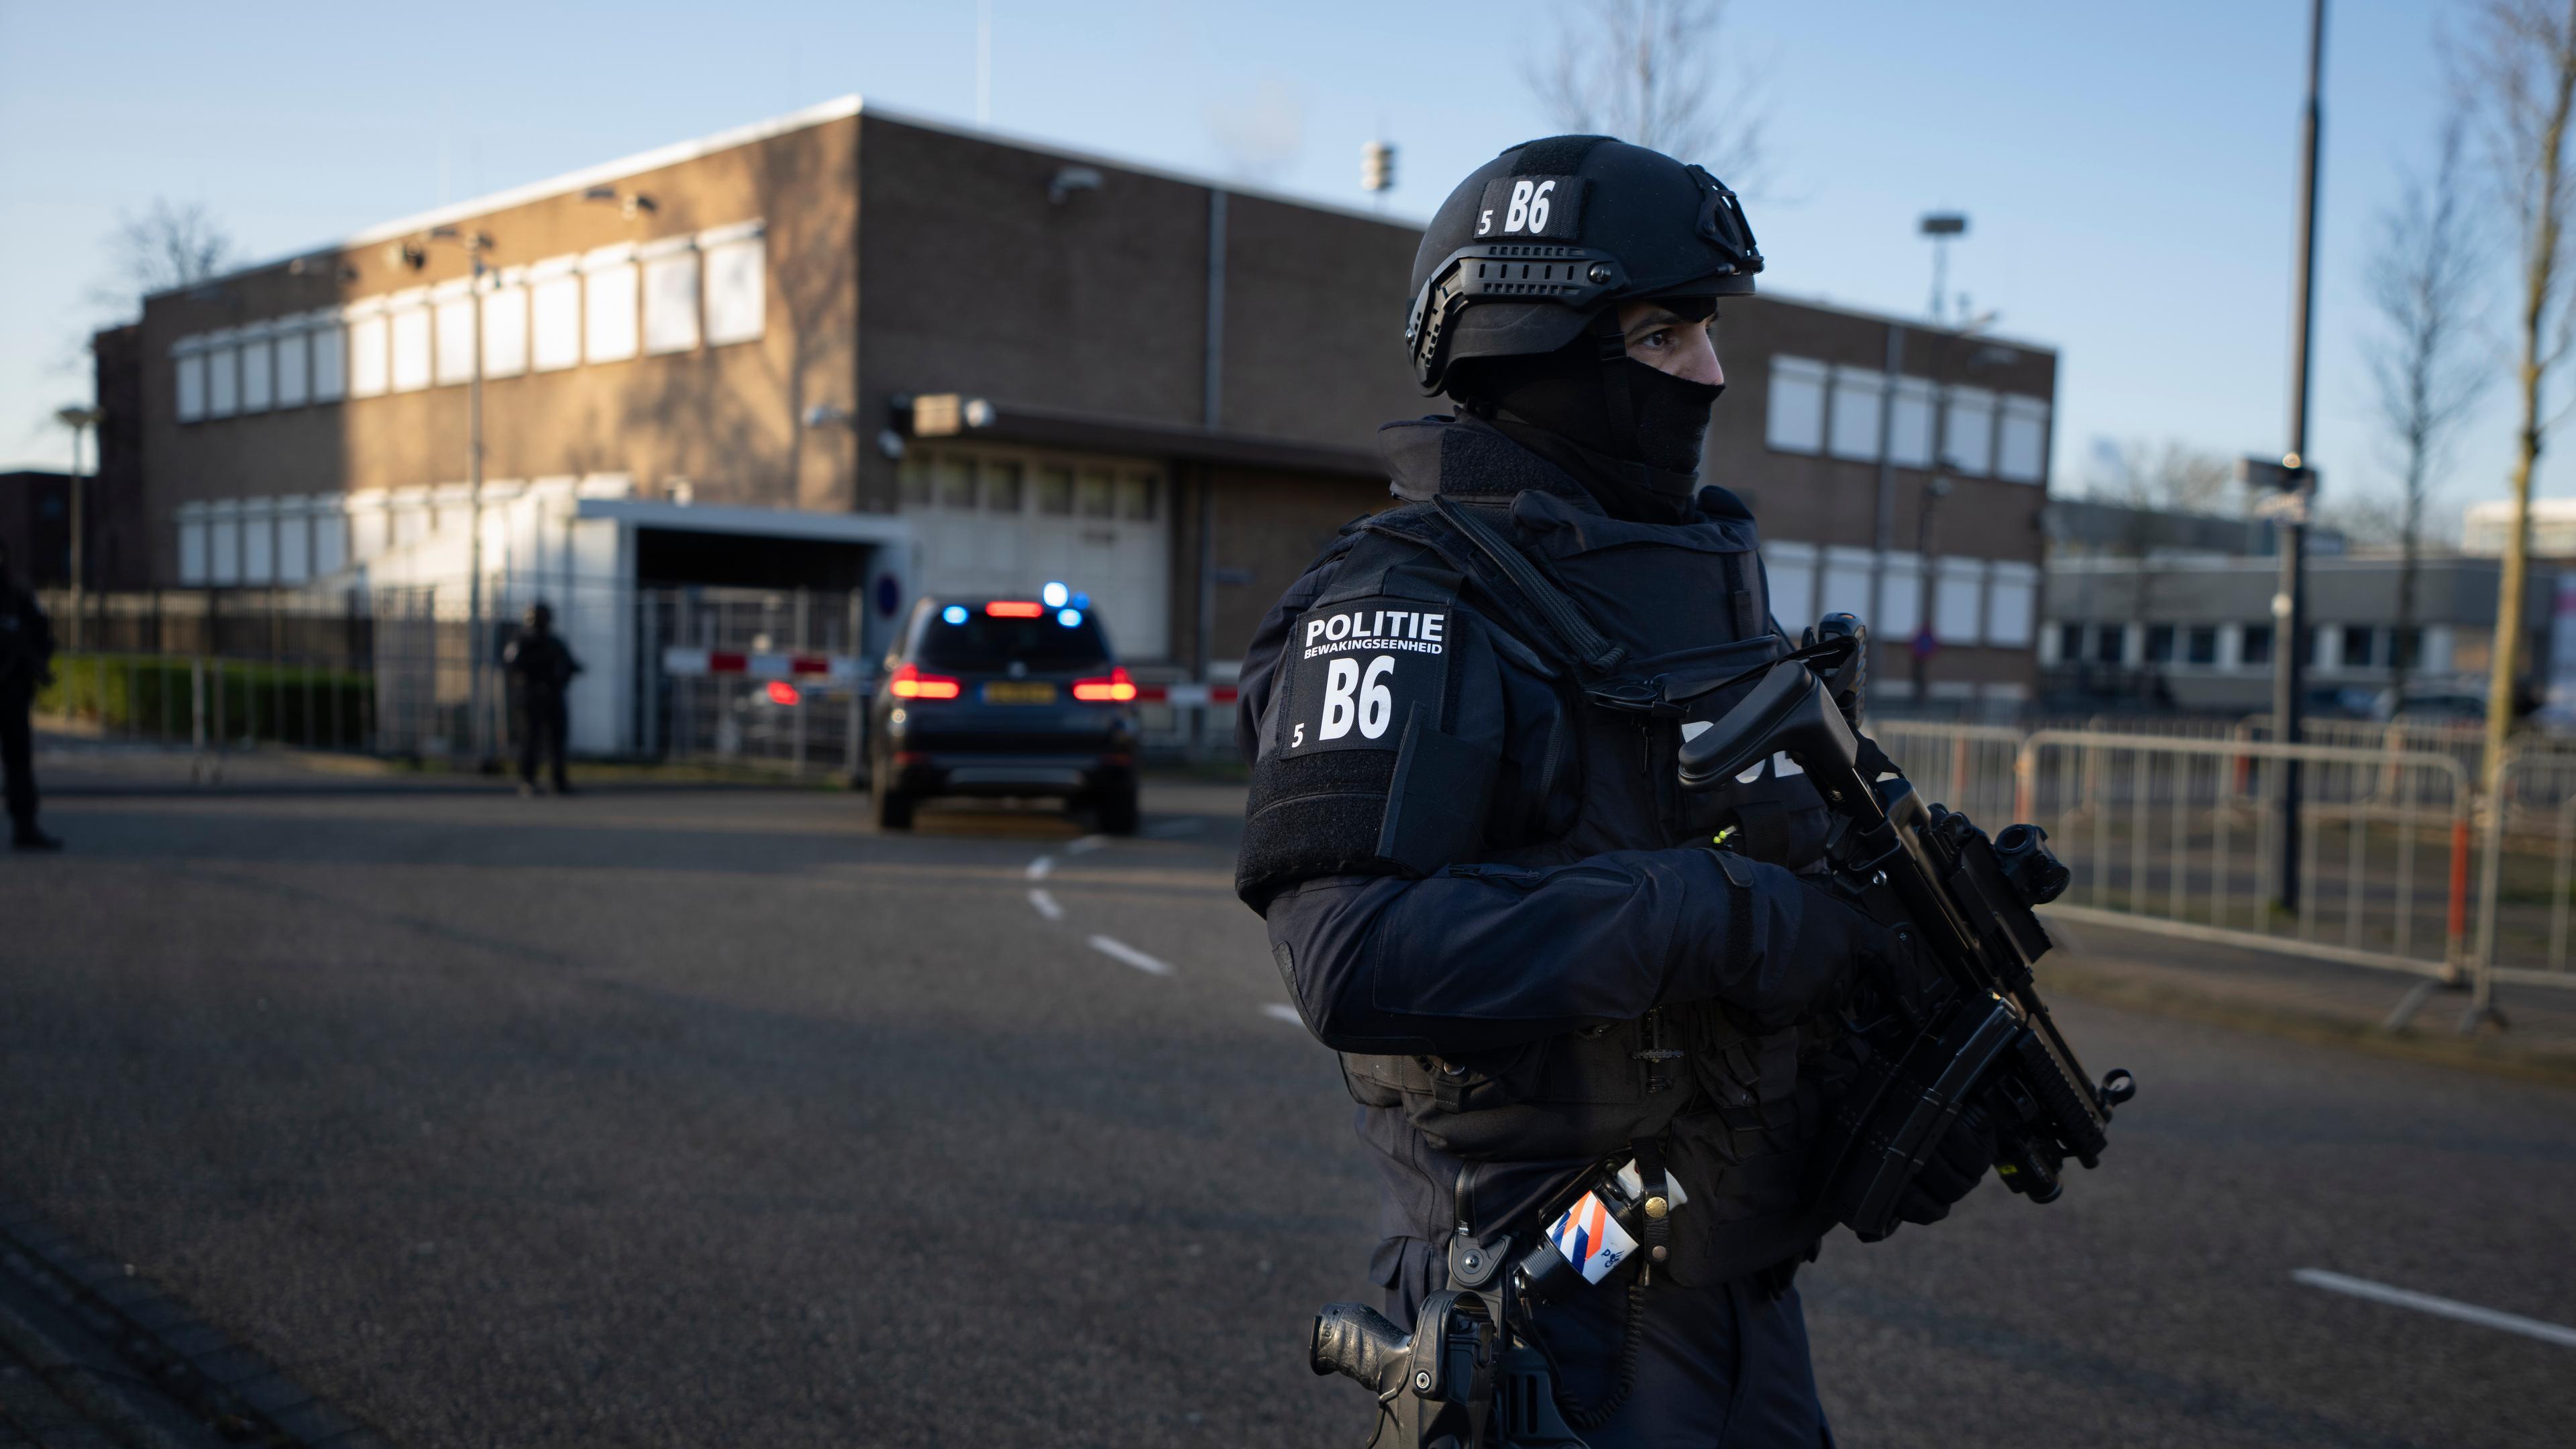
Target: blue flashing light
[(1082, 601), (954, 614), (1068, 617), (1054, 595)]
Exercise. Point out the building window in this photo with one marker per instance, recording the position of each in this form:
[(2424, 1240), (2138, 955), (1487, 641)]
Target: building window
[(367, 376), (505, 330), (2405, 648), (1958, 592), (2257, 648), (2021, 448), (223, 547), (456, 339), (737, 302), (1968, 431), (2070, 643), (192, 551), (294, 375), (330, 362), (2201, 646), (608, 325), (1055, 491), (223, 381), (2110, 643), (1856, 409), (192, 392), (554, 306), (1093, 495), (1909, 424), (2160, 643), (671, 302), (2358, 640), (1003, 492), (912, 480), (410, 335), (2012, 604), (330, 539), (1136, 495), (258, 375), (1797, 418), (957, 483)]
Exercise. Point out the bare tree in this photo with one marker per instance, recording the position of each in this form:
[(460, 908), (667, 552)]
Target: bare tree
[(171, 244), (1646, 72), (2426, 367), (2519, 75)]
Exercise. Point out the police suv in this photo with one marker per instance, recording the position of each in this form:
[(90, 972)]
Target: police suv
[(1004, 697)]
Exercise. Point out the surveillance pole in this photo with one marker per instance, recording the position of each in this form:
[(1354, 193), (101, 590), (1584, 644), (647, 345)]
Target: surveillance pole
[(2290, 604)]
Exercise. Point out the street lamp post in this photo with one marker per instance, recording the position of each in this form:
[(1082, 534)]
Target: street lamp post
[(475, 243), (80, 420), (2297, 481), (1941, 226)]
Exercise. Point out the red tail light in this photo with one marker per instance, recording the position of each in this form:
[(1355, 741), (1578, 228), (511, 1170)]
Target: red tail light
[(1008, 609), (910, 683), (1112, 688), (782, 692)]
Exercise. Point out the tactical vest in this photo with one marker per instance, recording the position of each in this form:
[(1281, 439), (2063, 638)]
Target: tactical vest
[(1685, 607)]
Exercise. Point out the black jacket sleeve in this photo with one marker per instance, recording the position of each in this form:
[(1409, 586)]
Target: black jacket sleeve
[(1479, 956)]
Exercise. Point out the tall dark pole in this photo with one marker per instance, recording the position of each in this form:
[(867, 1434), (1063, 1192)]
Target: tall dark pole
[(2290, 605)]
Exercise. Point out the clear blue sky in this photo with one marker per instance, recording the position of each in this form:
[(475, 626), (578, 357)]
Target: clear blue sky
[(2128, 169)]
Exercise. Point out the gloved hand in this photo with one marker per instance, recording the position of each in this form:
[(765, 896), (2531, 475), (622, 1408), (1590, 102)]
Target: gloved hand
[(1957, 1164)]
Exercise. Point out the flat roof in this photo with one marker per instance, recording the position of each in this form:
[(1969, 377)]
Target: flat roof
[(837, 109)]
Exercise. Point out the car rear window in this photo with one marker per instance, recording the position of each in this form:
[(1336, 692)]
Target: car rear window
[(984, 642)]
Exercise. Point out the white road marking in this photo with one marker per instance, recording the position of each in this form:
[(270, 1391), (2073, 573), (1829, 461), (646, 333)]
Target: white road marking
[(1173, 829), (1039, 867), (1085, 845), (2440, 1307), (1283, 1012), (1121, 951), (1046, 905)]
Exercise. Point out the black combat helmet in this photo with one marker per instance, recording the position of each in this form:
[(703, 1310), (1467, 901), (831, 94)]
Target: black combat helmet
[(1538, 240)]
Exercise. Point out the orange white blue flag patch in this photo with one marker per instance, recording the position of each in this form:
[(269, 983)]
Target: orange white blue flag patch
[(1591, 1239)]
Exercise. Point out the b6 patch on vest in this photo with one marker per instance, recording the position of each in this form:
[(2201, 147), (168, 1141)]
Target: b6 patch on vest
[(1357, 670)]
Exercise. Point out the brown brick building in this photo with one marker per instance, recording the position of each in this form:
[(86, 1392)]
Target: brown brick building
[(844, 349)]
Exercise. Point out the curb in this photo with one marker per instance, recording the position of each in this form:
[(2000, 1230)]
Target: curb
[(142, 1363)]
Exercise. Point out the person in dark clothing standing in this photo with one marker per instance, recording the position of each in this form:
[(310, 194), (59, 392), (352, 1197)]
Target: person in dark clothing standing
[(26, 665), (1541, 961), (540, 670)]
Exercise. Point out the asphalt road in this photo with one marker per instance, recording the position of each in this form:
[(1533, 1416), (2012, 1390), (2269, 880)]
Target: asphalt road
[(707, 1116)]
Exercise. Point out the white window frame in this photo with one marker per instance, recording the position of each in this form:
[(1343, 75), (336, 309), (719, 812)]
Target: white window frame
[(2012, 604), (505, 323), (670, 295), (1795, 414), (188, 375), (370, 353), (1959, 600), (330, 340), (1912, 421), (733, 283), (554, 315), (223, 375), (2021, 440), (258, 370), (413, 361), (1968, 432), (611, 323), (1852, 421), (294, 363), (452, 332)]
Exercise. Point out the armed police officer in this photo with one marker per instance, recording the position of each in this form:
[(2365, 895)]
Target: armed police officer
[(26, 665), (1537, 956), (541, 671)]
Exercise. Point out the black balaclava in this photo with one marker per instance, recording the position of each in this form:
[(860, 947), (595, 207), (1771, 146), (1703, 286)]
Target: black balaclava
[(1642, 464)]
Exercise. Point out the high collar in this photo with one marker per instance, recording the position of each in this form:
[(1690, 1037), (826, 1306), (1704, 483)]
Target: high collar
[(1467, 457)]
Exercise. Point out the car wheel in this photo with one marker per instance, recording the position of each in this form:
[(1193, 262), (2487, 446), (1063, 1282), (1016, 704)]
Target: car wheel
[(1118, 812), (892, 807)]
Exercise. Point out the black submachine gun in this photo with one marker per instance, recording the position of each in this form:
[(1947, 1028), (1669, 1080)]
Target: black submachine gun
[(1957, 1026)]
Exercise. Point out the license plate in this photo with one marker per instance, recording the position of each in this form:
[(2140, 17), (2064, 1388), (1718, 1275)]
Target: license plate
[(1018, 692)]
